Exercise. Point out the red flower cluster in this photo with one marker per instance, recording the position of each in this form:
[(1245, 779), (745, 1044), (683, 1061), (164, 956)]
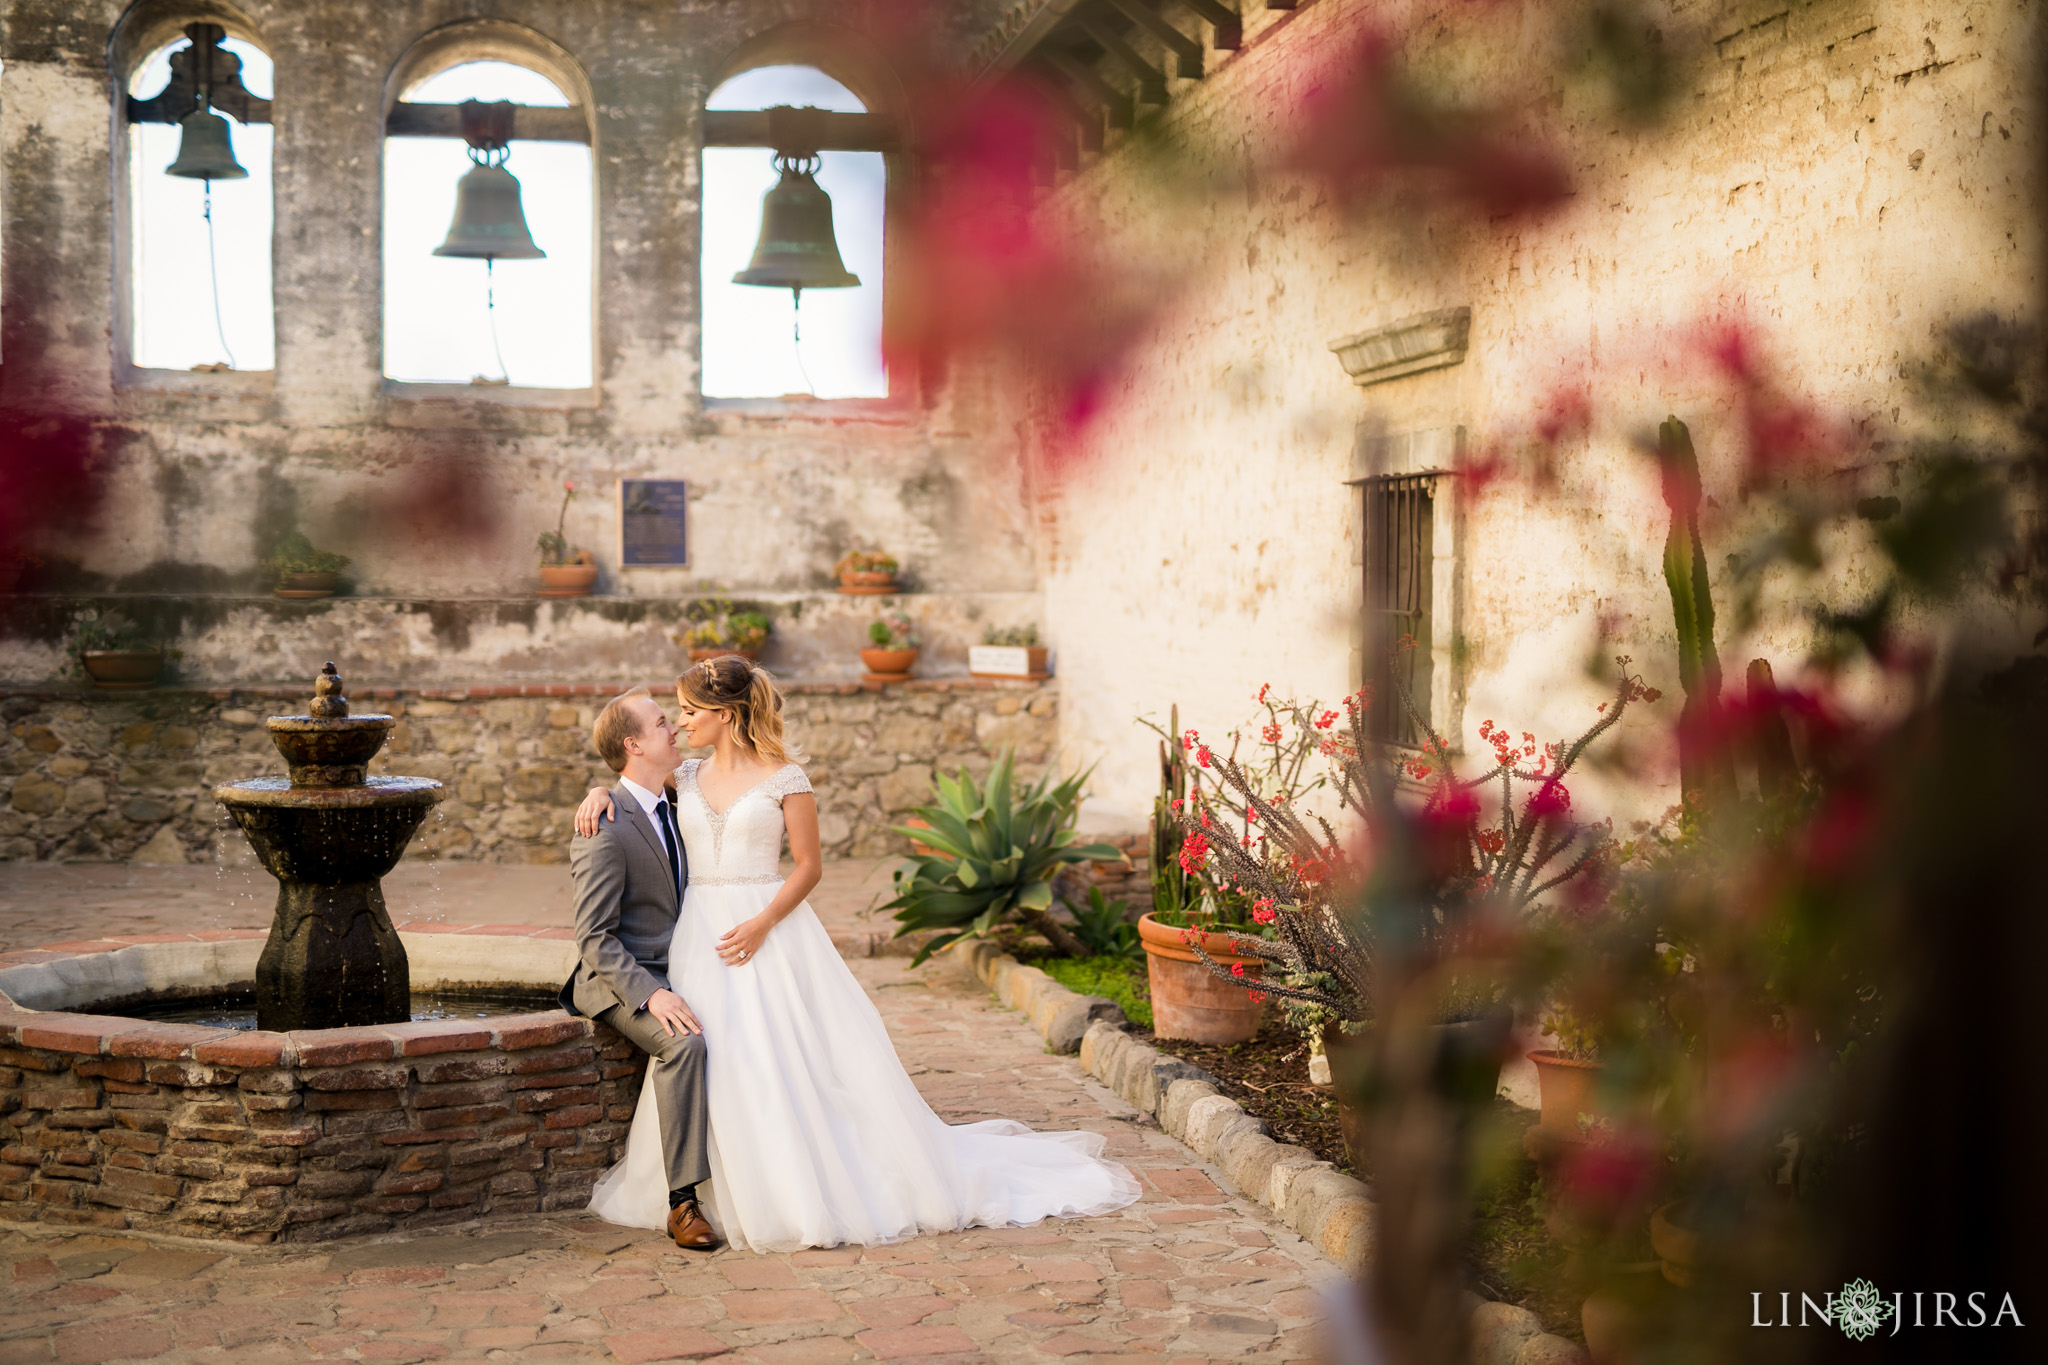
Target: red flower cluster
[(1270, 733), (1549, 799), (1202, 755), (1264, 688), (1490, 840), (1263, 912), (1326, 720), (1256, 997), (1194, 854), (1504, 750), (1237, 969)]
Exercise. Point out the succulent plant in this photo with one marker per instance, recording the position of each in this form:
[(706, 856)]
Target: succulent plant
[(995, 853)]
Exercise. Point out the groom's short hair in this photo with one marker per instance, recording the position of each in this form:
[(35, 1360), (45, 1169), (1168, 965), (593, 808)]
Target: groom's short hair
[(615, 725)]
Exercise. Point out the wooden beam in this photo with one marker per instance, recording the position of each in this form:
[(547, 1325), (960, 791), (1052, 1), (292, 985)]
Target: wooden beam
[(1113, 101), (1151, 80), (1187, 52), (530, 122), (1006, 52), (841, 132), (1229, 28)]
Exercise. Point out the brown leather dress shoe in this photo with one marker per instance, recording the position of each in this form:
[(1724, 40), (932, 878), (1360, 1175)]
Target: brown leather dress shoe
[(690, 1230)]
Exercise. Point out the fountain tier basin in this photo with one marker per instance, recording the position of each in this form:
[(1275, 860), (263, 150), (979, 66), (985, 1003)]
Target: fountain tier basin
[(306, 1134)]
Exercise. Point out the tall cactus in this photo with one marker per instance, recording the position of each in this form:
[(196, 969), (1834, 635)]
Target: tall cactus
[(1704, 768), (1171, 892)]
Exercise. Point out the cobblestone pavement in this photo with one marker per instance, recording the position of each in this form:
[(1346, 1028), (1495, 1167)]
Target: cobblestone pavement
[(1186, 1274)]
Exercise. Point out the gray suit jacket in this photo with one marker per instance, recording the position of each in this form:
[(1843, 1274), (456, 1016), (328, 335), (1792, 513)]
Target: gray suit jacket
[(626, 910)]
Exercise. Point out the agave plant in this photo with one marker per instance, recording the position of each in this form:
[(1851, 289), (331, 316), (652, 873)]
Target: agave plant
[(995, 853)]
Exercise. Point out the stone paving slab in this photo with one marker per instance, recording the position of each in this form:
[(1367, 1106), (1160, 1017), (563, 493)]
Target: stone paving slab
[(1187, 1274)]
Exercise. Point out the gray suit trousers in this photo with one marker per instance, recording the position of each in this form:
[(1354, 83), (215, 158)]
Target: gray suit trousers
[(677, 1061)]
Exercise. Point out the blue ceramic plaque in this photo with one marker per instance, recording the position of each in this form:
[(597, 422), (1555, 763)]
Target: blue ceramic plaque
[(653, 522)]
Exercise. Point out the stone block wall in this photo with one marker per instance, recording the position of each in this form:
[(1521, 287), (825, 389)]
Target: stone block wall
[(88, 776)]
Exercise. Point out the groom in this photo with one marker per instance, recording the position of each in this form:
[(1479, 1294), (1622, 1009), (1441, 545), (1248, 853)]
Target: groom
[(629, 889)]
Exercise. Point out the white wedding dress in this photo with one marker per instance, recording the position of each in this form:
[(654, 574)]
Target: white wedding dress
[(818, 1136)]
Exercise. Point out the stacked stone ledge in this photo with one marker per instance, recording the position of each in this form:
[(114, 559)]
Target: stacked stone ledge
[(92, 776), (1332, 1211), (263, 1137)]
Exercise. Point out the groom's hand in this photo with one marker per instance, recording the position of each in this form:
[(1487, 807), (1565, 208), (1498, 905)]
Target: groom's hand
[(674, 1015)]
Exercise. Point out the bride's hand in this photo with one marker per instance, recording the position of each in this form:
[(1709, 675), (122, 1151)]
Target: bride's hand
[(597, 805), (737, 945)]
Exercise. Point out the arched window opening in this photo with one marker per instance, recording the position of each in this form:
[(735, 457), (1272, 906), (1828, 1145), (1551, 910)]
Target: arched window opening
[(199, 205), (460, 319), (750, 345)]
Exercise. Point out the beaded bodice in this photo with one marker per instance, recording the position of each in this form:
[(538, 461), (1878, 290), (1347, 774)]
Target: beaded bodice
[(741, 845)]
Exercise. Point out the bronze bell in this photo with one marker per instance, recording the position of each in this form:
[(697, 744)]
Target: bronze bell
[(489, 222), (797, 250), (204, 151)]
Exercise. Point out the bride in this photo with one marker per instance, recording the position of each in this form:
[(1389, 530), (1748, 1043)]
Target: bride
[(818, 1136)]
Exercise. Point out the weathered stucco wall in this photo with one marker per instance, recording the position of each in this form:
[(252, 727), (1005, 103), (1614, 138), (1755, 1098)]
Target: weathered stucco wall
[(1842, 178), (438, 498)]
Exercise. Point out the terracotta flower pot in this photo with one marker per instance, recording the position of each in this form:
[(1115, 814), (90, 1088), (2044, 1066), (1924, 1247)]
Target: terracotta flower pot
[(699, 654), (567, 580), (916, 846), (1564, 1090), (1469, 1056), (122, 670), (867, 583), (1675, 1243), (1187, 1001), (306, 585), (887, 665)]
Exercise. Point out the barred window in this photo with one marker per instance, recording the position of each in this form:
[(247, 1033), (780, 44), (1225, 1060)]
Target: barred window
[(1398, 566)]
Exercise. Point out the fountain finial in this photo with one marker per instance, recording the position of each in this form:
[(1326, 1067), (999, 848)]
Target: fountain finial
[(329, 701)]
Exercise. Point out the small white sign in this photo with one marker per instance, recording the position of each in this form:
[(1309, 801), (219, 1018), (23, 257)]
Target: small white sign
[(1001, 661)]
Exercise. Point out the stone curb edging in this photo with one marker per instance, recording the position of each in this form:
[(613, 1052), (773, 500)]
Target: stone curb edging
[(1331, 1210)]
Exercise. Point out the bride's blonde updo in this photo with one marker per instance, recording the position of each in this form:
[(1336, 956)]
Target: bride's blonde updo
[(747, 695)]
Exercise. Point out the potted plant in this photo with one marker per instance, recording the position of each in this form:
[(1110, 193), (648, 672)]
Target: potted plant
[(996, 849), (1008, 652), (300, 571), (1567, 1076), (894, 643), (1183, 926), (720, 628), (114, 652), (565, 570), (866, 573)]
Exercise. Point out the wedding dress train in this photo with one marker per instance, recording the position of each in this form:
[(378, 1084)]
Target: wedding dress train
[(818, 1136)]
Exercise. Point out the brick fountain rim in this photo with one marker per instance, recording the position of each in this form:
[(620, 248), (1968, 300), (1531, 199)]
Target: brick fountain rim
[(46, 994)]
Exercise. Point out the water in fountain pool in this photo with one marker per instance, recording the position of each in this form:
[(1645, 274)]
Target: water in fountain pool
[(237, 1009)]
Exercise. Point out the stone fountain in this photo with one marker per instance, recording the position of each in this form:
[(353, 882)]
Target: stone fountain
[(329, 835), (348, 1108)]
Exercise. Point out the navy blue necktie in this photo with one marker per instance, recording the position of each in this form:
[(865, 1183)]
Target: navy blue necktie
[(663, 816)]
